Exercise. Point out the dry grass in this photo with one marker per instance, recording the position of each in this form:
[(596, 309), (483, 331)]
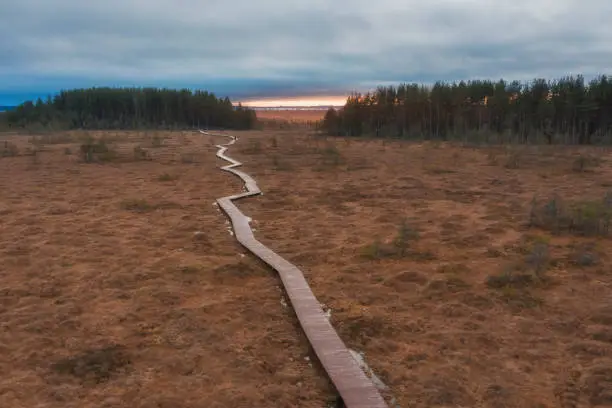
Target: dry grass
[(120, 285), (292, 115), (476, 305), (275, 120)]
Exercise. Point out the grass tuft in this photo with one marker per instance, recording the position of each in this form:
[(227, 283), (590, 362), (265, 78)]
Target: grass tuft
[(399, 247), (585, 164), (141, 154), (9, 149), (137, 205), (96, 151), (585, 218), (167, 177)]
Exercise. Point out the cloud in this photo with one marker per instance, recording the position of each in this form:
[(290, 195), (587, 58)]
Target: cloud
[(275, 47)]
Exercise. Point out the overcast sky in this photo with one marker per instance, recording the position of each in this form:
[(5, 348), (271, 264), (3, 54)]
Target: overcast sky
[(255, 48)]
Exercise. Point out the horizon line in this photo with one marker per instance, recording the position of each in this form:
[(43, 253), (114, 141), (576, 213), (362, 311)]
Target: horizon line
[(292, 107)]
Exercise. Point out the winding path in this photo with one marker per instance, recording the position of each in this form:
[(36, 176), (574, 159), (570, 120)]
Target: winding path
[(354, 387)]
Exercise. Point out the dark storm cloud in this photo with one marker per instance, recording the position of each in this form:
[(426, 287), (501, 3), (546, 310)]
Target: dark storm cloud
[(276, 47)]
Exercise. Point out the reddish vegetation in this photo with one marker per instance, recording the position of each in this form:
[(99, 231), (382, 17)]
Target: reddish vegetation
[(109, 298), (462, 308), (434, 321), (291, 115)]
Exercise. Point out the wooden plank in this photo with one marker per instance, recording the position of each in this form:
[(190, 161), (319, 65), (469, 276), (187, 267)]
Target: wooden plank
[(353, 385)]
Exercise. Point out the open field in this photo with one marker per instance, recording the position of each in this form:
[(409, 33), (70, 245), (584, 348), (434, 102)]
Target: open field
[(291, 115), (463, 304), (120, 285)]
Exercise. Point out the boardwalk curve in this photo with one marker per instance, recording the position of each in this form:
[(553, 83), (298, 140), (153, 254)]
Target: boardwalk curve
[(354, 387)]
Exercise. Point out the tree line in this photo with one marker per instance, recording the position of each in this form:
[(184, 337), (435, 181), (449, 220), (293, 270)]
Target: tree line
[(131, 108), (565, 110)]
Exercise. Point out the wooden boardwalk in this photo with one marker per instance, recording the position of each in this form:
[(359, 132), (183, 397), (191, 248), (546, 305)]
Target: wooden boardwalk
[(354, 387)]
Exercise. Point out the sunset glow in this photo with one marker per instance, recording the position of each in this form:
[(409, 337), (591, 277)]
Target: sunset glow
[(297, 101)]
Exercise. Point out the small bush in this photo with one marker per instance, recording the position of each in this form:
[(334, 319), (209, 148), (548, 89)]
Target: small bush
[(513, 160), (585, 164), (519, 299), (589, 218), (141, 154), (438, 170), (538, 258), (399, 247), (107, 138), (167, 177), (405, 235), (279, 164), (378, 250), (492, 159), (156, 141), (189, 158), (331, 156), (34, 156), (50, 139), (532, 271), (254, 147), (592, 218), (9, 149), (96, 150), (510, 278), (96, 365), (137, 205), (33, 152), (586, 259), (190, 269), (67, 151), (585, 255)]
